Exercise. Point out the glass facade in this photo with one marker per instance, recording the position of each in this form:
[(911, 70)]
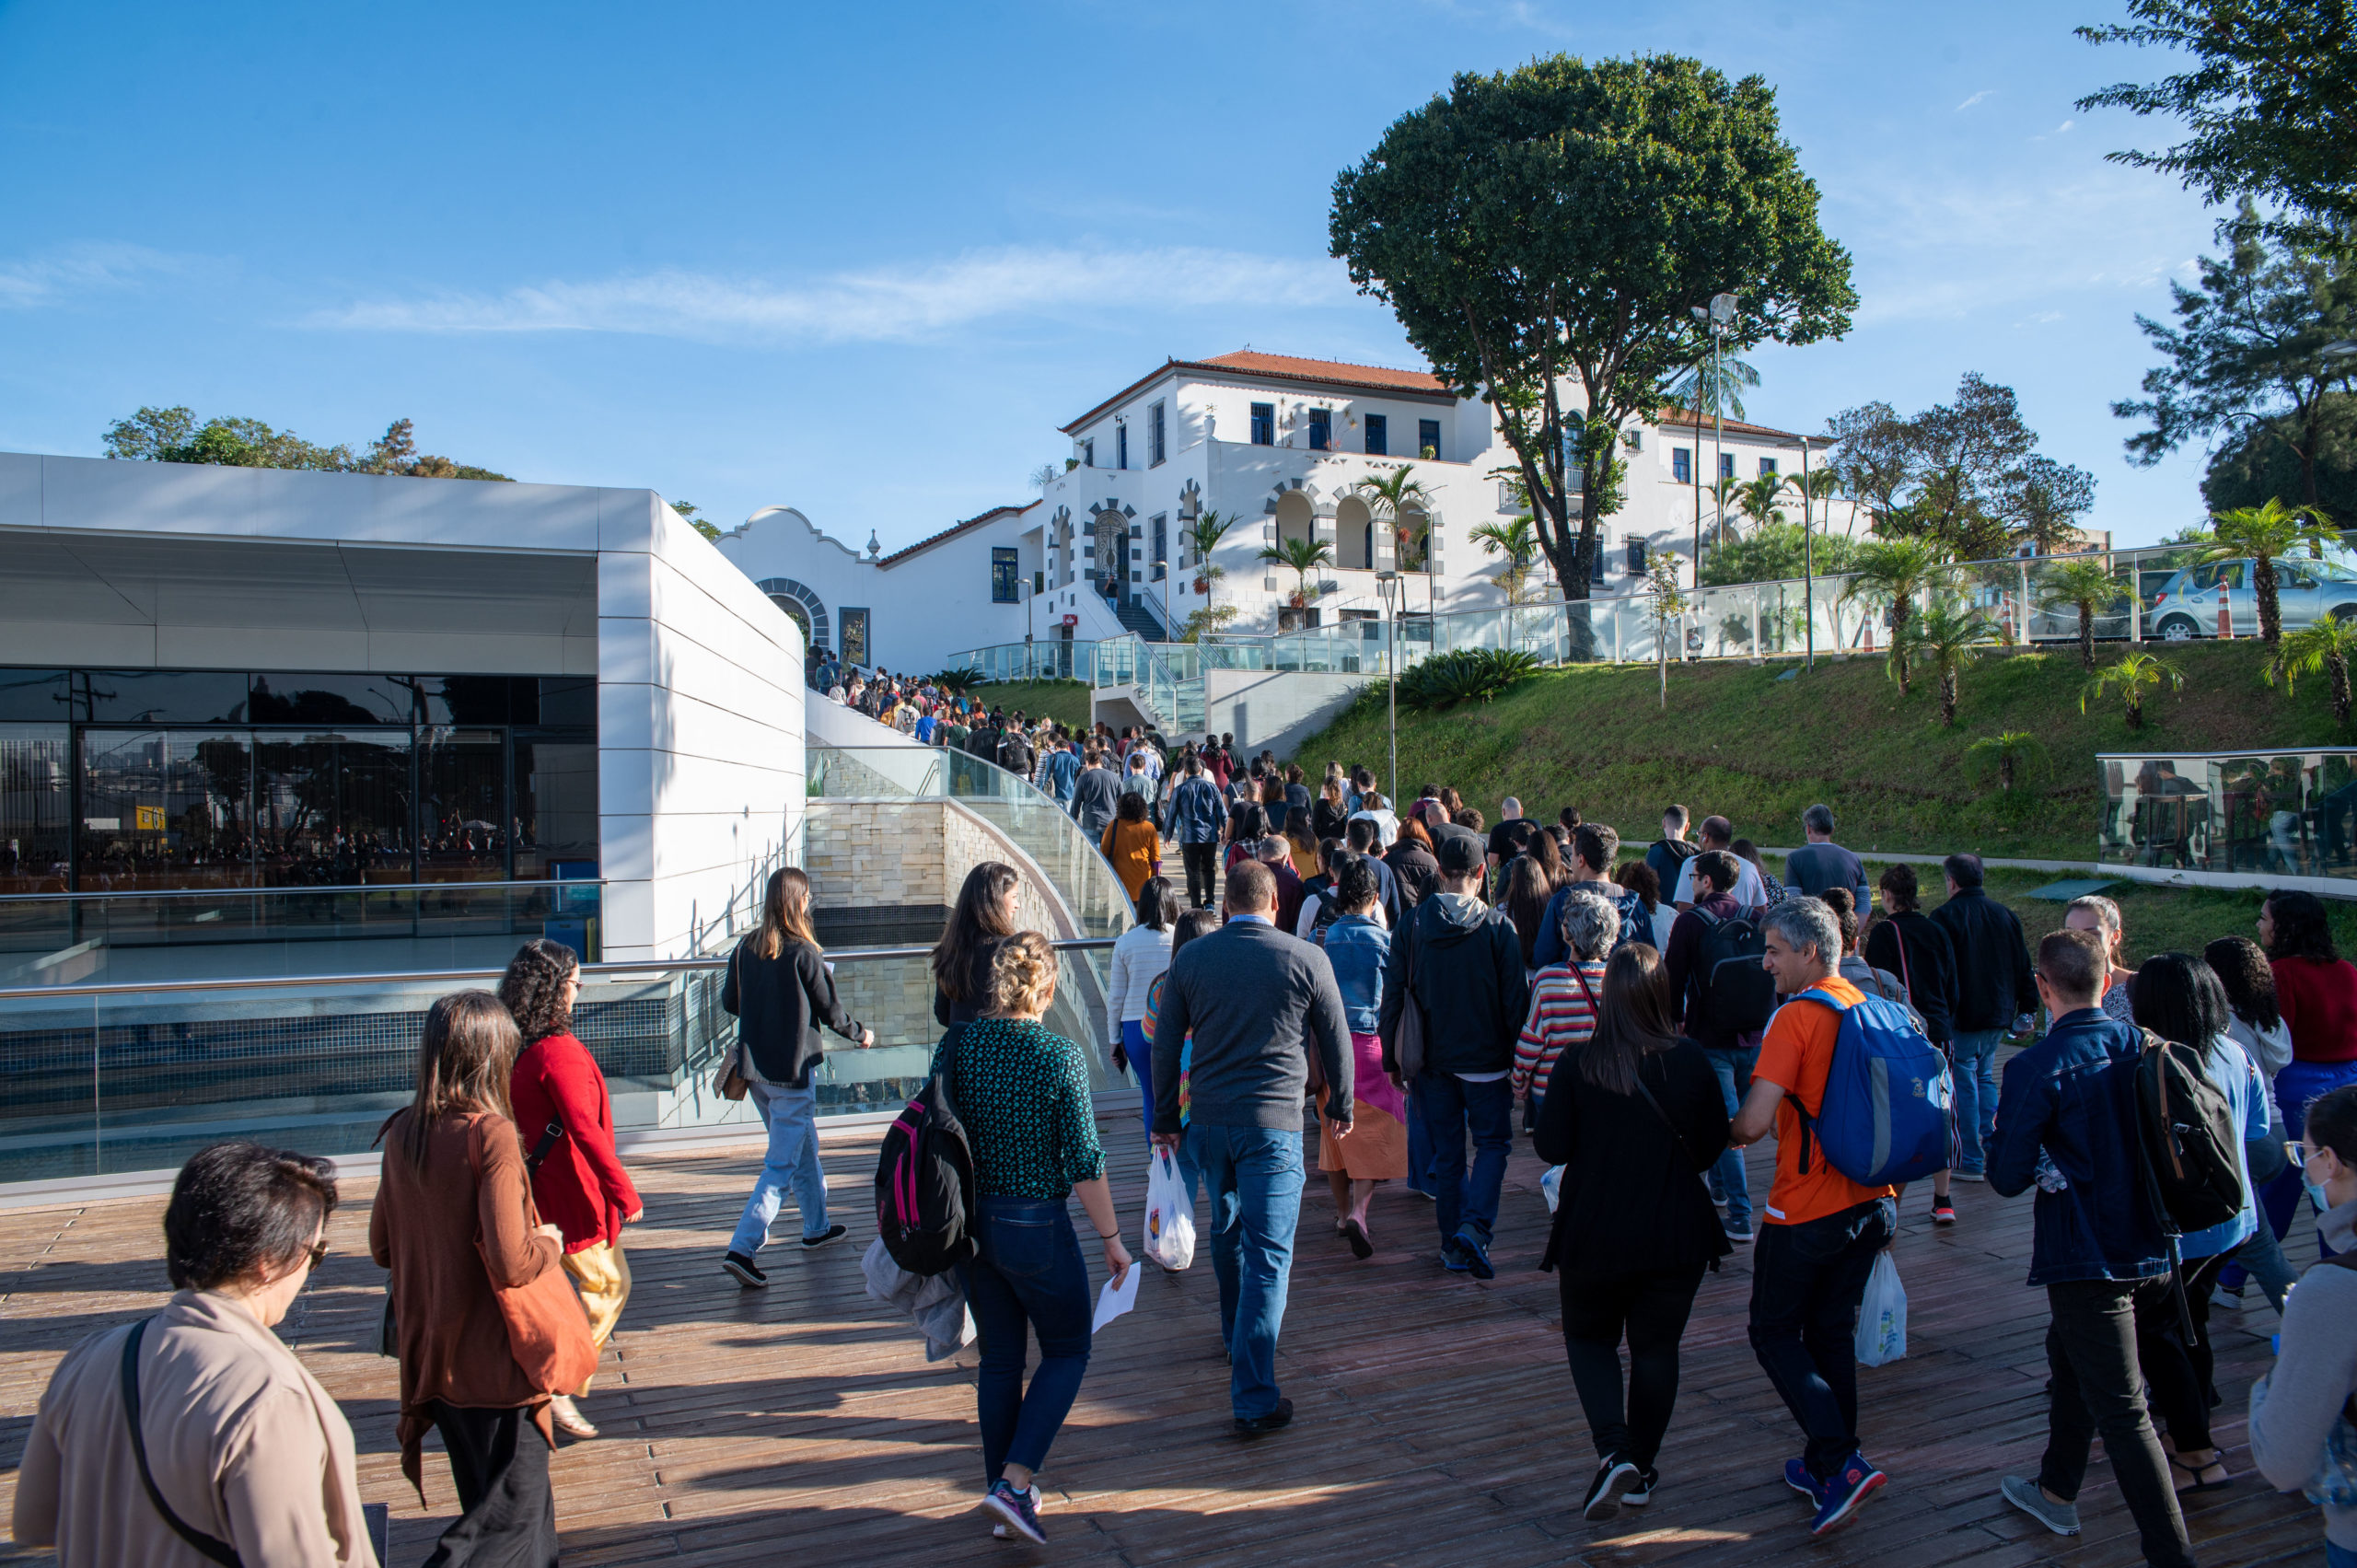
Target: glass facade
[(135, 780), (2292, 813)]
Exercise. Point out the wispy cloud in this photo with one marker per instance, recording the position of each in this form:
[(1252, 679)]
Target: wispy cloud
[(897, 304), (1975, 97), (59, 275)]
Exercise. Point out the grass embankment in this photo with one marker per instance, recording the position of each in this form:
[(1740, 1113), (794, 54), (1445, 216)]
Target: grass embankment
[(1759, 744), (1067, 702)]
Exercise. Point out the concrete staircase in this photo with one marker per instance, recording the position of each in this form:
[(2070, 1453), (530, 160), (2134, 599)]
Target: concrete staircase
[(1138, 616)]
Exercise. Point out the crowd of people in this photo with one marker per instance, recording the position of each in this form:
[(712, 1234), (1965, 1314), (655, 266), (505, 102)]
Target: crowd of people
[(1429, 988)]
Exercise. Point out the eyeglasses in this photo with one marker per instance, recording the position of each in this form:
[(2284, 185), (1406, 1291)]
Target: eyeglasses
[(318, 1253)]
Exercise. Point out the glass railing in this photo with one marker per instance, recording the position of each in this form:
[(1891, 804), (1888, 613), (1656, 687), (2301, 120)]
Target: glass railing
[(2280, 813), (1175, 701), (106, 1079), (1048, 658), (47, 938)]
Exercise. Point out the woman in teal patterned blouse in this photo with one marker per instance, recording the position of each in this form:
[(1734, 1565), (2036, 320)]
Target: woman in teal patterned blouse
[(1023, 1094)]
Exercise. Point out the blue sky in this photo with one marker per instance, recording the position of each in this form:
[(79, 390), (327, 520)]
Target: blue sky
[(865, 260)]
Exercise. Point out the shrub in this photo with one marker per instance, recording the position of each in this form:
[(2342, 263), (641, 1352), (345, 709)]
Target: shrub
[(1468, 675)]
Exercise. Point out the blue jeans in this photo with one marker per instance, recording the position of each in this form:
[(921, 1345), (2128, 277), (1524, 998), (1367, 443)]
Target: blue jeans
[(1420, 1150), (1733, 1065), (1452, 1107), (1254, 1177), (791, 1115), (1807, 1282), (1026, 1271), (2295, 1086), (2339, 1556), (1141, 1060), (1974, 1055)]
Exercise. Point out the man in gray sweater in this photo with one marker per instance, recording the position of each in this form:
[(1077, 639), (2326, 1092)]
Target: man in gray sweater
[(1255, 999)]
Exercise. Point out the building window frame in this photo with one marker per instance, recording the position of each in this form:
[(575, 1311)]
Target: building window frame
[(1157, 435), (1264, 424), (1428, 440), (1006, 569), (1322, 430), (1379, 434)]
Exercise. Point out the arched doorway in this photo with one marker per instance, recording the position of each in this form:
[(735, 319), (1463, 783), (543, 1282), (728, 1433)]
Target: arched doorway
[(806, 610), (1353, 535), (1296, 517)]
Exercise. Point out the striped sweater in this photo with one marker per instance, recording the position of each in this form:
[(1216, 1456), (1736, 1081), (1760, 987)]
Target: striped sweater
[(1559, 1016)]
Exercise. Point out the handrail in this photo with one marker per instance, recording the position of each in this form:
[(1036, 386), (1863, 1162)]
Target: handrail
[(594, 972), (300, 888)]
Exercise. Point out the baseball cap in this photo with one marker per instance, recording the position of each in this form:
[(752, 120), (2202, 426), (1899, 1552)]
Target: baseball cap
[(1460, 854)]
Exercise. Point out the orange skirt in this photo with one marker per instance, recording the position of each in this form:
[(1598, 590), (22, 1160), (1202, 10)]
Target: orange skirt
[(1375, 1150)]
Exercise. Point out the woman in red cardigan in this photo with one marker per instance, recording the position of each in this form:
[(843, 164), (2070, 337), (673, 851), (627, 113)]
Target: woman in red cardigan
[(2316, 990), (580, 1187)]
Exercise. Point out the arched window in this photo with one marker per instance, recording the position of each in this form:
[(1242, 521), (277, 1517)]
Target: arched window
[(1296, 519), (1353, 535)]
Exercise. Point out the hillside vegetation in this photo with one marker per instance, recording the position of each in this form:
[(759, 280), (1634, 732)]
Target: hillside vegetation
[(1064, 701), (1760, 743)]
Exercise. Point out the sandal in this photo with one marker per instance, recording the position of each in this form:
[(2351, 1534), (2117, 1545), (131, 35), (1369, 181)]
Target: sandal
[(2226, 1478), (1355, 1233)]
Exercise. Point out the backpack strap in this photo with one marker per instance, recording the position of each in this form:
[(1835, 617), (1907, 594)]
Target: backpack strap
[(199, 1542)]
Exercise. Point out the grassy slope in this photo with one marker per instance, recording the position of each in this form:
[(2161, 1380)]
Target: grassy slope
[(1066, 700), (1737, 740)]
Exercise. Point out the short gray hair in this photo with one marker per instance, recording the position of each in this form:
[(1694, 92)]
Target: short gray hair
[(1819, 819), (1807, 923), (1510, 805), (1589, 924)]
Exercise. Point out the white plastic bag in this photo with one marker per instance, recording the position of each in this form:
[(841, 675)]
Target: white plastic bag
[(1882, 1316), (1170, 1213), (1550, 1187)]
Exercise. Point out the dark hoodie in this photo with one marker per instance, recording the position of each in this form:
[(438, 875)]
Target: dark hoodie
[(1470, 982)]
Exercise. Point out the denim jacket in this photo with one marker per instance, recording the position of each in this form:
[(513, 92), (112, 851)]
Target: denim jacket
[(1358, 947), (2066, 1120)]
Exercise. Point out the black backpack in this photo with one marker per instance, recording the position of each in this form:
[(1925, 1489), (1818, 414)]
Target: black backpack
[(924, 1185), (2184, 1127), (1732, 991)]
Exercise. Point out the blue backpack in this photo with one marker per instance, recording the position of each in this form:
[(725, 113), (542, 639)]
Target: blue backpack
[(1889, 1113)]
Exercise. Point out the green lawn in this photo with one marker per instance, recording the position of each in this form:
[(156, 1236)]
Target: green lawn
[(1066, 700), (1759, 744)]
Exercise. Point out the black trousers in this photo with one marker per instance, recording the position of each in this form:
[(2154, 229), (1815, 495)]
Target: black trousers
[(2180, 1370), (2098, 1387), (508, 1514), (1651, 1310), (1203, 871)]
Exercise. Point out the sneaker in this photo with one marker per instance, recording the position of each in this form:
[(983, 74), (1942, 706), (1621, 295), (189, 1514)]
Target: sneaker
[(1740, 1234), (2227, 1300), (1452, 1256), (1613, 1477), (1255, 1426), (1642, 1493), (1942, 1212), (1796, 1476), (1039, 1506), (834, 1233), (748, 1273), (2062, 1518), (1967, 1175), (1476, 1255), (1851, 1484), (1015, 1509)]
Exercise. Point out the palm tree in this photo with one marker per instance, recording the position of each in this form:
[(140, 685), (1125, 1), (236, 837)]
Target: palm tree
[(1305, 557), (2013, 758), (2328, 645), (1755, 498), (1202, 536), (1707, 388), (2135, 674), (1518, 541), (1944, 640), (1402, 504), (2261, 535), (1722, 489), (1891, 573), (1819, 484), (2079, 585)]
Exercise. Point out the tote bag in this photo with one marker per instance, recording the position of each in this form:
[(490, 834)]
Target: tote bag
[(548, 1332)]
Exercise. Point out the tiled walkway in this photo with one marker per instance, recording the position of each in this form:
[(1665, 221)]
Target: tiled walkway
[(1437, 1422)]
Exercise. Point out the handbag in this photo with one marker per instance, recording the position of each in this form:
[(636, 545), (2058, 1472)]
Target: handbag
[(729, 1082), (199, 1542), (389, 1332), (1408, 1039), (548, 1331)]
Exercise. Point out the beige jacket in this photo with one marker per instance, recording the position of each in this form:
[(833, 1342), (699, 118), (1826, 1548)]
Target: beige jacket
[(242, 1440)]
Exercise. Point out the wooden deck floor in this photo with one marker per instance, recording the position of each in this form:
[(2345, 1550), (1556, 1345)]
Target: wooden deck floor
[(1436, 1423)]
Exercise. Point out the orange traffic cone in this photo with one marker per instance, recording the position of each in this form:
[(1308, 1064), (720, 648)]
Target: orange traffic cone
[(2226, 619)]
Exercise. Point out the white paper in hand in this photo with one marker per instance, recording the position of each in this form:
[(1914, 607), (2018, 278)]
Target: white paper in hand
[(1114, 1300)]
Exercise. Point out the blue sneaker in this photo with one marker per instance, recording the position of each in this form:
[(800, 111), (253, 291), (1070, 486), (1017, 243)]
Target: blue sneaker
[(1016, 1508), (1452, 1256), (1470, 1247), (1796, 1476), (1854, 1482)]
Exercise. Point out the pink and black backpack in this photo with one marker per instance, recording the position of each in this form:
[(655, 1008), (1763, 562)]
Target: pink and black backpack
[(924, 1185)]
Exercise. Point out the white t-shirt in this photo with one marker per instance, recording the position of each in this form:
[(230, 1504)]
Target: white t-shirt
[(1750, 891), (1386, 826)]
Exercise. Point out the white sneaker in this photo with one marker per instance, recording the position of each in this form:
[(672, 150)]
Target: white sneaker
[(1038, 1505)]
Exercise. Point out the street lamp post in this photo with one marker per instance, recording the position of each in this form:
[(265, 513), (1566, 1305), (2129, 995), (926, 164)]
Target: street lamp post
[(1808, 560), (1388, 585), (1719, 314)]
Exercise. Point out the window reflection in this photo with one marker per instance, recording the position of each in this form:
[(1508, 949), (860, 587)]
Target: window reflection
[(2286, 813), (36, 805), (332, 810), (556, 810), (462, 817), (166, 809)]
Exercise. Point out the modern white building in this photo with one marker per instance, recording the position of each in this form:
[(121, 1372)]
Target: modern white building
[(1285, 447)]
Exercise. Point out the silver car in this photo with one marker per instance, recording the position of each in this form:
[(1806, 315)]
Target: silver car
[(2188, 605)]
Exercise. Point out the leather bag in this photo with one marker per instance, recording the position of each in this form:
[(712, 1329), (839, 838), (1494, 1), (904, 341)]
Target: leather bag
[(548, 1331)]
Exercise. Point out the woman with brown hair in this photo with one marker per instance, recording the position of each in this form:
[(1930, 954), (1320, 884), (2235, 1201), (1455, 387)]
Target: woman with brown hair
[(1023, 1094), (579, 1185), (1525, 899), (985, 916), (780, 989), (1413, 864), (1634, 1116), (454, 1222), (1132, 846), (1330, 810)]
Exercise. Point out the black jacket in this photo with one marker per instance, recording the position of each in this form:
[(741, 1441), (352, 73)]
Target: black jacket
[(1096, 800), (1414, 868), (779, 1004), (1631, 1199), (1469, 979), (1992, 970), (1928, 969), (1014, 754)]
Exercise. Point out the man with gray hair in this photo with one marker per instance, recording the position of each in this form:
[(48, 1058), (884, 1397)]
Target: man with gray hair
[(1821, 864), (1506, 835), (1821, 1230)]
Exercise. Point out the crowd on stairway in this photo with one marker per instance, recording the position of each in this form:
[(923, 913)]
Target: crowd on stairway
[(1424, 986)]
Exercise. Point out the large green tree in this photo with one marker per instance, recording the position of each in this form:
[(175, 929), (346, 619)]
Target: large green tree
[(1965, 474), (173, 436), (2258, 351), (1544, 234), (2268, 99), (2263, 462)]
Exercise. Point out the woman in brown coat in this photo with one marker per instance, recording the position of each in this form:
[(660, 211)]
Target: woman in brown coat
[(453, 1174)]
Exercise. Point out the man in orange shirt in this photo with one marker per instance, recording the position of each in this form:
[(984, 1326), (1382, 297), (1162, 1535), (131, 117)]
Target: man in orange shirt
[(1821, 1230)]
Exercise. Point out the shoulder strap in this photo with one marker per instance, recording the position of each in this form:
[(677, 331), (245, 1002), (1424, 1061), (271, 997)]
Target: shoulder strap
[(1905, 979), (1710, 922), (1647, 1095), (549, 1135), (199, 1542), (1594, 1012)]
